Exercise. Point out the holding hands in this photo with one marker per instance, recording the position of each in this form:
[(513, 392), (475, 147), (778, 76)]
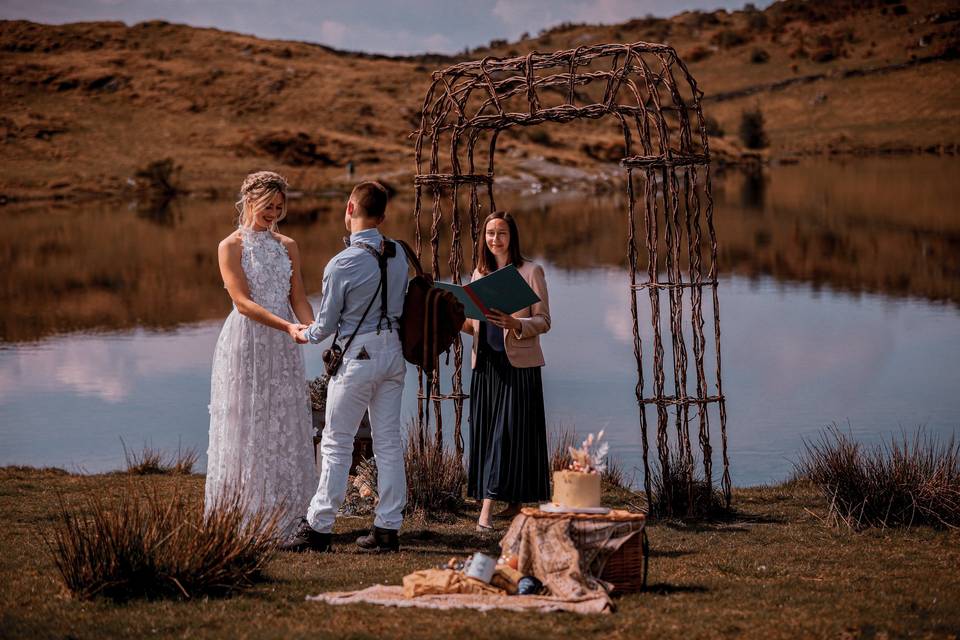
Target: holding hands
[(298, 332), (503, 320)]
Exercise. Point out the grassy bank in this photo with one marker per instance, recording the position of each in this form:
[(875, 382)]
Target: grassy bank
[(774, 571)]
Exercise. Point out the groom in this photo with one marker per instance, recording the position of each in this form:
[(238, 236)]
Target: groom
[(369, 379)]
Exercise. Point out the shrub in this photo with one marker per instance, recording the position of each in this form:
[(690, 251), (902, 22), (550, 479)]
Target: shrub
[(827, 48), (144, 545), (752, 132), (697, 54), (823, 54), (540, 136), (902, 483), (727, 39), (759, 56)]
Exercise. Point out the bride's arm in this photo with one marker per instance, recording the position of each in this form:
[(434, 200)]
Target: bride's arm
[(298, 294), (228, 255)]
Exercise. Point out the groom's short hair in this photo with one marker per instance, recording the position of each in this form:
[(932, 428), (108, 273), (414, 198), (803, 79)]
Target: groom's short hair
[(370, 198)]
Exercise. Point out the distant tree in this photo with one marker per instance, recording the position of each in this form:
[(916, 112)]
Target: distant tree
[(752, 133)]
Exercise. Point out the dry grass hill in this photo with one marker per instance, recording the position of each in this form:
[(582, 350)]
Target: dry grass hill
[(86, 106)]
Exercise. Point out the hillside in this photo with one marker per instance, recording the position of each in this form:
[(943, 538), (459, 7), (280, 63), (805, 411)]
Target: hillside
[(85, 106)]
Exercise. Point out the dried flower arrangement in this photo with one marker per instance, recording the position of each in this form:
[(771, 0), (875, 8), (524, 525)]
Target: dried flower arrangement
[(591, 457), (317, 390)]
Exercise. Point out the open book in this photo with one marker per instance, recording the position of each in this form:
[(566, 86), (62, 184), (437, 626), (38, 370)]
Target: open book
[(504, 290)]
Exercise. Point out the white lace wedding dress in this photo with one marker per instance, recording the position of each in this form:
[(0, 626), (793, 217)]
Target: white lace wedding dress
[(261, 437)]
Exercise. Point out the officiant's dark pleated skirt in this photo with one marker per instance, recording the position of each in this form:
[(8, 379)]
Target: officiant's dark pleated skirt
[(508, 431)]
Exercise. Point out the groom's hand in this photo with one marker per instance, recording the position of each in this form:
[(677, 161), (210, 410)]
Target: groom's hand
[(298, 332)]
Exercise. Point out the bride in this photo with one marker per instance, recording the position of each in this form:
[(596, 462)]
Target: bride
[(260, 429)]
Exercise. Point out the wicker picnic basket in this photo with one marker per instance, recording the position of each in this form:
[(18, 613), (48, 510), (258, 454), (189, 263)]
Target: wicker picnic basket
[(626, 568)]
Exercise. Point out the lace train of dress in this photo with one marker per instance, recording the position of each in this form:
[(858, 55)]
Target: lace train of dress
[(261, 440)]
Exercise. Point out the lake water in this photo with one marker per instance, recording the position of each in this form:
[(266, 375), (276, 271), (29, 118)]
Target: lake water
[(840, 285)]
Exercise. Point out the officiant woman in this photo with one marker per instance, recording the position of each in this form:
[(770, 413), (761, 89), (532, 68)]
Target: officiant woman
[(508, 434)]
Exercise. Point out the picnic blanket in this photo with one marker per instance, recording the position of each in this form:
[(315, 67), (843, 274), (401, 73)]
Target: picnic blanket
[(392, 596), (567, 552)]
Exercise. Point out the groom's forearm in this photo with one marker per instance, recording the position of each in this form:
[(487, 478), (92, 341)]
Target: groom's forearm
[(315, 333), (323, 326)]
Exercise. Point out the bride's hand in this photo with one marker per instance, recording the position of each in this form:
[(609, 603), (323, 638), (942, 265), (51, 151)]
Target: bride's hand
[(296, 331)]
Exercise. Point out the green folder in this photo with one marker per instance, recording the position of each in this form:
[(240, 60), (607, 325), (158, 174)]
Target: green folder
[(504, 290)]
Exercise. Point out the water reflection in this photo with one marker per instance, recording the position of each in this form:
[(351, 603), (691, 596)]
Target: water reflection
[(886, 226), (828, 308)]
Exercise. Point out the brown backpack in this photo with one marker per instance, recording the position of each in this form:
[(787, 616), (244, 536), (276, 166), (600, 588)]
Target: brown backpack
[(431, 318)]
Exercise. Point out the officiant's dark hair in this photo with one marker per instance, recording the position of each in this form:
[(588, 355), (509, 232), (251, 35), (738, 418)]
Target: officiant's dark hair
[(371, 198), (487, 263)]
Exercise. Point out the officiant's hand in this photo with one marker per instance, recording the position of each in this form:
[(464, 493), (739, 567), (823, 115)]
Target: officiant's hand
[(503, 320), (297, 332)]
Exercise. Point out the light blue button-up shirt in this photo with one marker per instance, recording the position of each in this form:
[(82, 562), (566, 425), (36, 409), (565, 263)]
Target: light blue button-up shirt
[(350, 280)]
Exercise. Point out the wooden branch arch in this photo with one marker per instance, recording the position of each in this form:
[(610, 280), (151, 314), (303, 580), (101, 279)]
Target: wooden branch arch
[(666, 152)]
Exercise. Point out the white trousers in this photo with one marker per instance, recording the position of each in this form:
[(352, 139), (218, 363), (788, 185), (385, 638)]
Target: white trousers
[(374, 385)]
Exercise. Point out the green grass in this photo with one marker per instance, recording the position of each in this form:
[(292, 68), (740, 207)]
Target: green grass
[(773, 571)]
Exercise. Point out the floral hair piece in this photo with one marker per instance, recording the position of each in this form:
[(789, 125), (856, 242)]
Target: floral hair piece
[(591, 457)]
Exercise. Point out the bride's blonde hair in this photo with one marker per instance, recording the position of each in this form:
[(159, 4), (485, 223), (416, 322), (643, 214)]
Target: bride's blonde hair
[(257, 189)]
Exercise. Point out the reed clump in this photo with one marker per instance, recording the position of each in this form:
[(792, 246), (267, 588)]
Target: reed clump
[(144, 545), (151, 461), (901, 483), (562, 440), (680, 491), (435, 477)]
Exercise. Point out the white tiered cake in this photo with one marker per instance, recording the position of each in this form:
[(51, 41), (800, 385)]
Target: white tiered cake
[(577, 488)]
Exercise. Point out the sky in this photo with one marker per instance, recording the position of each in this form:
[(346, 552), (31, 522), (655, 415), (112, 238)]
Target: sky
[(375, 26)]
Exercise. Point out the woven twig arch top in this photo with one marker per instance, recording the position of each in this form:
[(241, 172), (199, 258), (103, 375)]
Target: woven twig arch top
[(644, 85)]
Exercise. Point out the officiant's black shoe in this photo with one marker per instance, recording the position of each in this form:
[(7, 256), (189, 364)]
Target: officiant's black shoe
[(307, 539), (380, 541)]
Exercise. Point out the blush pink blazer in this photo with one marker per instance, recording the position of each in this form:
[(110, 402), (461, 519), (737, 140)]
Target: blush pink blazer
[(523, 348)]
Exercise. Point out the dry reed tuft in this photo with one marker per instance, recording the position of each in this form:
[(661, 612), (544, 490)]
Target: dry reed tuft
[(184, 461), (906, 482), (150, 461), (614, 475), (562, 439), (142, 545), (435, 477), (679, 491)]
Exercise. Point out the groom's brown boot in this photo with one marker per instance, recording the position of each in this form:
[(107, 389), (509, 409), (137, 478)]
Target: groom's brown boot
[(379, 541), (307, 539)]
